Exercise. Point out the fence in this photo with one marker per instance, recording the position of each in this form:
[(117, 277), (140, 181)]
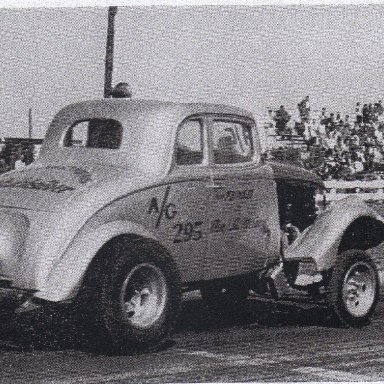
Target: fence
[(371, 191)]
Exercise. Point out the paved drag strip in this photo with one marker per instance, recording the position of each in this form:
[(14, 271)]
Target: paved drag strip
[(221, 359), (230, 361), (100, 378), (234, 360), (329, 374), (213, 360), (345, 351), (334, 375), (363, 362), (273, 358)]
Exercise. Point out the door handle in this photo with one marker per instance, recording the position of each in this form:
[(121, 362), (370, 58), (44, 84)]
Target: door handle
[(214, 186)]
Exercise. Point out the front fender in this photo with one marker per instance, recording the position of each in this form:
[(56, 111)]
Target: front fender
[(65, 276), (321, 241)]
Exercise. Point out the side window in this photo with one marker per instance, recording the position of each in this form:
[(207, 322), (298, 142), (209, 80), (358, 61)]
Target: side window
[(94, 133), (232, 142), (189, 143)]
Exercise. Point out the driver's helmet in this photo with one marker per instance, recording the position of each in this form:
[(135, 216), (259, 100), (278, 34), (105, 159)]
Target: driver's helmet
[(121, 90)]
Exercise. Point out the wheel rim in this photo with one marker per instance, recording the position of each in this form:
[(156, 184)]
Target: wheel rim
[(143, 295), (359, 289)]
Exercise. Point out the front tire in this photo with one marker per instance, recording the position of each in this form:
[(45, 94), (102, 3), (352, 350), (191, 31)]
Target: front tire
[(139, 296), (353, 291)]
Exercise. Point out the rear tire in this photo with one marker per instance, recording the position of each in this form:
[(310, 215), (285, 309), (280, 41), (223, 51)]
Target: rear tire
[(353, 291), (138, 298)]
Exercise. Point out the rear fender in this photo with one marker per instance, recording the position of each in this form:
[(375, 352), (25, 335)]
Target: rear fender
[(65, 277), (332, 233)]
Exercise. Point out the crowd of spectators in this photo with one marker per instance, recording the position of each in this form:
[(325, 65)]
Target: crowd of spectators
[(16, 155), (334, 146)]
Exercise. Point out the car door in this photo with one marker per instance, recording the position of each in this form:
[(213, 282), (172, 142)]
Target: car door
[(244, 226), (185, 225)]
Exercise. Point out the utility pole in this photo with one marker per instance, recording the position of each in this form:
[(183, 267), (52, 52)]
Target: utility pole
[(30, 125), (109, 51)]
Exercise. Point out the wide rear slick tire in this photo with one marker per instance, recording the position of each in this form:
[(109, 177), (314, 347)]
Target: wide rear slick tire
[(353, 290), (139, 296)]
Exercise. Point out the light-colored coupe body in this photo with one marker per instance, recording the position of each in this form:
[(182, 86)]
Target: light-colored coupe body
[(188, 177), (216, 220)]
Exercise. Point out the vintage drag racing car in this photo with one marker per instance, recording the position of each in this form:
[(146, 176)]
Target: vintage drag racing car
[(133, 202)]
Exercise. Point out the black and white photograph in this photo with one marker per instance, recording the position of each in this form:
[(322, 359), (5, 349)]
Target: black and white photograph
[(191, 192)]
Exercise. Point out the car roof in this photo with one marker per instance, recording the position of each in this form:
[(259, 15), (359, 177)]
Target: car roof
[(125, 106), (151, 125)]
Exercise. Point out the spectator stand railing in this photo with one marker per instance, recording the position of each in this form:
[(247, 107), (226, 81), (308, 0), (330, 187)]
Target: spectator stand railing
[(288, 140), (369, 191)]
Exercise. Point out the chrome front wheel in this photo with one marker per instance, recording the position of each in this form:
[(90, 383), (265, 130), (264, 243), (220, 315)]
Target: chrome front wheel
[(353, 290), (359, 289)]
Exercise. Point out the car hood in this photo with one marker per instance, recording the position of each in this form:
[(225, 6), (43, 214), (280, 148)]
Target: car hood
[(48, 187)]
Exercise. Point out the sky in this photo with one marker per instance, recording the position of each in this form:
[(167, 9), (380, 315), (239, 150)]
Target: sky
[(256, 57)]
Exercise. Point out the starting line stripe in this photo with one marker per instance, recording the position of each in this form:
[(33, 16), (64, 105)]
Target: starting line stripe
[(334, 375)]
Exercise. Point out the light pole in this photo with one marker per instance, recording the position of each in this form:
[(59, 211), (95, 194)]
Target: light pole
[(30, 124), (109, 51)]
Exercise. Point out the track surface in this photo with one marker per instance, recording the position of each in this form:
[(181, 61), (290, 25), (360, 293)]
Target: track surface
[(264, 342)]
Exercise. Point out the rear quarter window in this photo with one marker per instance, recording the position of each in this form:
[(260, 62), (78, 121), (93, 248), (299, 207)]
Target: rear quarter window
[(94, 133)]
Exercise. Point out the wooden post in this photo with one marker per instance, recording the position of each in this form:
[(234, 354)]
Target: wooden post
[(109, 51)]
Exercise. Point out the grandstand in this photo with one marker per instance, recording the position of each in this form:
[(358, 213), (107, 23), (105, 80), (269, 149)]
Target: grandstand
[(336, 148), (18, 149)]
